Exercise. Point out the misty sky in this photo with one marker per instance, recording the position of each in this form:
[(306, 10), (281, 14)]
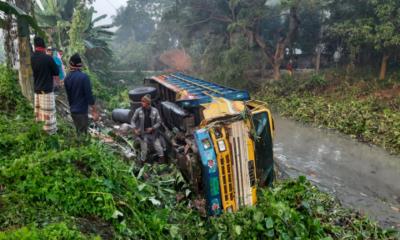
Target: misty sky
[(108, 7)]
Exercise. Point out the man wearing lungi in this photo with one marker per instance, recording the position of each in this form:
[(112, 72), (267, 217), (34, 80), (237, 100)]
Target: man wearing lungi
[(44, 69)]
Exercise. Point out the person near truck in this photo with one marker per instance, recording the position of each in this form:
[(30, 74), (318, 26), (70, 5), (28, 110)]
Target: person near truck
[(58, 80), (44, 69), (80, 97), (146, 122)]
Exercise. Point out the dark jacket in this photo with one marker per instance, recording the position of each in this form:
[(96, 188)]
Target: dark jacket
[(44, 68), (137, 120), (79, 91)]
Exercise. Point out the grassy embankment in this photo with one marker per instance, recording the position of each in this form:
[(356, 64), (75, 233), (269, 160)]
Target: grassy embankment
[(53, 188), (364, 108)]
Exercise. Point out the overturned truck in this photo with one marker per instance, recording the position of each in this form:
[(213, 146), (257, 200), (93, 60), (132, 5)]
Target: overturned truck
[(218, 137)]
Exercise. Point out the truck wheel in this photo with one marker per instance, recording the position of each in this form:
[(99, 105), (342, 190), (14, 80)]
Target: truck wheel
[(122, 115), (136, 94)]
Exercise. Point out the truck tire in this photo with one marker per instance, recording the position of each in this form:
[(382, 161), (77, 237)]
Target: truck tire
[(122, 115), (136, 94)]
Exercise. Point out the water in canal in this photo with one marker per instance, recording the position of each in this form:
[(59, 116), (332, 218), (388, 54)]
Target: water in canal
[(362, 177)]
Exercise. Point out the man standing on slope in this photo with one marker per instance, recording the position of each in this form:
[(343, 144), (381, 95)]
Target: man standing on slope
[(79, 91), (44, 69)]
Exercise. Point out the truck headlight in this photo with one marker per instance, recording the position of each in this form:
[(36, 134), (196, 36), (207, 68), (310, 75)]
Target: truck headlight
[(221, 145)]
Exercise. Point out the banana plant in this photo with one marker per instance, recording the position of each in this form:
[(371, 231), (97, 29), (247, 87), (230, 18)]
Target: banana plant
[(55, 16), (96, 37), (49, 12), (24, 21), (88, 39), (11, 9)]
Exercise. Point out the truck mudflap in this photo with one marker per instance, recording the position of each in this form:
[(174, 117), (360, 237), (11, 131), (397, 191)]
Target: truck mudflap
[(210, 172)]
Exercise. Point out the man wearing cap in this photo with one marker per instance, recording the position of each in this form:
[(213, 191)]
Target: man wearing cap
[(44, 69), (145, 123), (79, 91)]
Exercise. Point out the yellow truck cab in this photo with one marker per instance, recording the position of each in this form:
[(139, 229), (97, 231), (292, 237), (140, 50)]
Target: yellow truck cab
[(220, 138)]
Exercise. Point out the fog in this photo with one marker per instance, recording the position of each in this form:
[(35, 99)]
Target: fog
[(108, 7)]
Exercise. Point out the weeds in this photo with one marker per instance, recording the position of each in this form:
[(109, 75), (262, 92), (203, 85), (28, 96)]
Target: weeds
[(351, 109), (52, 231), (88, 191), (11, 98)]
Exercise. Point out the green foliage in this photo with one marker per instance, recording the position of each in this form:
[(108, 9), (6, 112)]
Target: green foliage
[(53, 11), (228, 66), (111, 94), (138, 19), (11, 9), (97, 39), (347, 110), (53, 187), (376, 25), (51, 231), (112, 91), (312, 19), (144, 33), (78, 24), (52, 178), (119, 100), (11, 99), (316, 81), (56, 16), (72, 27), (132, 55), (99, 90), (295, 210)]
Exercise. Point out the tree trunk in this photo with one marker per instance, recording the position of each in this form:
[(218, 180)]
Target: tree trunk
[(384, 63), (24, 50), (9, 39), (318, 59), (25, 70), (277, 73), (319, 51), (278, 59), (318, 62)]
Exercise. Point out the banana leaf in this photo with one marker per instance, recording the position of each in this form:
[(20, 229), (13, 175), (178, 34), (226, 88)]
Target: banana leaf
[(9, 8), (101, 17)]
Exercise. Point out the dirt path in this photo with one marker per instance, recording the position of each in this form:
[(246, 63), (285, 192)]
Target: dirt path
[(362, 177)]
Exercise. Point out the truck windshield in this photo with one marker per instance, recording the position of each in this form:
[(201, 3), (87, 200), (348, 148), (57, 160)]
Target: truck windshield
[(264, 154)]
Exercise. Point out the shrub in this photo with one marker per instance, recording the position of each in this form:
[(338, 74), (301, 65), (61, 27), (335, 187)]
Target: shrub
[(11, 99)]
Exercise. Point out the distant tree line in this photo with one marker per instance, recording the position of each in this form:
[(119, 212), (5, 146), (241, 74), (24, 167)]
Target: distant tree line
[(229, 37)]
